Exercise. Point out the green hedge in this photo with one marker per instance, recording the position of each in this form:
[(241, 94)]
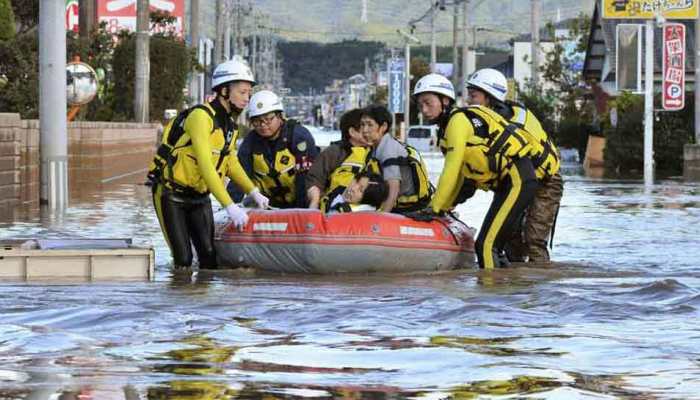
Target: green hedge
[(624, 148), (7, 21), (19, 64), (170, 61)]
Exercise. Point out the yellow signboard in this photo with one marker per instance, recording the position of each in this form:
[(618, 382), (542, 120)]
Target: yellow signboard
[(647, 9)]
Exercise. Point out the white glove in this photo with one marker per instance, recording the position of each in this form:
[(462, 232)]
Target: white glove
[(237, 215), (262, 201)]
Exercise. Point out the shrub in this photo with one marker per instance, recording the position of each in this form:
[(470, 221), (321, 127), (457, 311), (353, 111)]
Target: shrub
[(171, 61), (19, 64), (624, 149), (7, 21)]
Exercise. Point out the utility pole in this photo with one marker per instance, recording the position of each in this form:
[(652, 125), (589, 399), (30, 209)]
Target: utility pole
[(52, 103), (194, 42), (697, 81), (535, 42), (433, 49), (254, 57), (455, 55), (649, 105), (275, 63), (239, 28), (218, 42), (465, 49), (86, 17), (407, 84), (143, 63), (227, 43)]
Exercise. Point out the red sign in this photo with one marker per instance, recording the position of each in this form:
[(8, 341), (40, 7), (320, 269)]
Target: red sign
[(673, 85), (121, 14), (72, 15)]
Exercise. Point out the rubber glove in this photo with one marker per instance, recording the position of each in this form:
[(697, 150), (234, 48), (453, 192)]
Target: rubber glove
[(260, 199), (237, 215)]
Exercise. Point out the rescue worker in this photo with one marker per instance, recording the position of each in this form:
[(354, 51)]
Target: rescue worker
[(487, 152), (488, 87), (400, 165), (338, 163), (279, 152), (196, 153)]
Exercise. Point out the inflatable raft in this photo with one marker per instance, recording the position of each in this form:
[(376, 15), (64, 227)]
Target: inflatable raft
[(308, 241)]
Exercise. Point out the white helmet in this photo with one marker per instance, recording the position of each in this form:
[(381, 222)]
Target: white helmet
[(231, 71), (264, 102), (490, 81), (434, 83)]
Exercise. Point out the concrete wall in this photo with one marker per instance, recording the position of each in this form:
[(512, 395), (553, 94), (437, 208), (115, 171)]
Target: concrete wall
[(98, 153), (691, 162)]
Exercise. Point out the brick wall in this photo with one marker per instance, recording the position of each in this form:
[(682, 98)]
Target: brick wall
[(10, 156), (98, 152)]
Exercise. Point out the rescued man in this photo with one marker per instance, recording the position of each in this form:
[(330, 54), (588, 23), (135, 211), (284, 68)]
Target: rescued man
[(338, 163), (401, 166)]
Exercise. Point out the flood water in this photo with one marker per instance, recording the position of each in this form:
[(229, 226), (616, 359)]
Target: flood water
[(616, 317)]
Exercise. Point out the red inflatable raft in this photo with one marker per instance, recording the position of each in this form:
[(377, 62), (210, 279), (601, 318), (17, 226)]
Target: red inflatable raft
[(308, 241)]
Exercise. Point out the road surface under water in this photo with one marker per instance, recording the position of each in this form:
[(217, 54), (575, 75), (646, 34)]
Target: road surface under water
[(616, 317)]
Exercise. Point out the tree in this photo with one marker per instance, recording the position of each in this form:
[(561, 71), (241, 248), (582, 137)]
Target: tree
[(26, 14), (565, 107), (19, 67), (315, 65), (168, 74), (7, 21)]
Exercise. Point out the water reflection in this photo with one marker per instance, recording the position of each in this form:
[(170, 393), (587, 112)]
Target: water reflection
[(616, 317)]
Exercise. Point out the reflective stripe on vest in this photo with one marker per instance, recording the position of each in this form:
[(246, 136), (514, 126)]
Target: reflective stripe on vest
[(276, 178), (340, 178)]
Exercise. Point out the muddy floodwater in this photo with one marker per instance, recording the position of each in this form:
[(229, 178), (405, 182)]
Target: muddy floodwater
[(616, 317)]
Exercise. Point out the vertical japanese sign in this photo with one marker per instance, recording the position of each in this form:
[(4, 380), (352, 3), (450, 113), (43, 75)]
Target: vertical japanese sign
[(121, 14), (673, 85), (396, 85)]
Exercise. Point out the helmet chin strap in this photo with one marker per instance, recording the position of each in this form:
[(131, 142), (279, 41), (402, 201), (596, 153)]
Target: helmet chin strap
[(444, 113), (233, 107)]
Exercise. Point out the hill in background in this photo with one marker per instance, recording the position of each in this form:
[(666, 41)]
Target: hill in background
[(336, 20)]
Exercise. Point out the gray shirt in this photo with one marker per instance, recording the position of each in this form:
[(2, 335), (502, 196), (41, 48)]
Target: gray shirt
[(387, 149)]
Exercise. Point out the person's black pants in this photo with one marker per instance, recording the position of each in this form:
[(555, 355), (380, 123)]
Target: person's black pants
[(186, 221), (512, 196)]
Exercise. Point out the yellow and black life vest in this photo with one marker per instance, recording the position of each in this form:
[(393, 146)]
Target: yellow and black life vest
[(496, 143), (546, 158), (423, 189), (175, 164), (340, 178), (276, 177), (502, 141)]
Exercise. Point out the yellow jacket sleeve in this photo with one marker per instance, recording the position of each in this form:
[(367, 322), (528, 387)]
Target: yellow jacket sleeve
[(199, 126), (237, 174), (456, 134)]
